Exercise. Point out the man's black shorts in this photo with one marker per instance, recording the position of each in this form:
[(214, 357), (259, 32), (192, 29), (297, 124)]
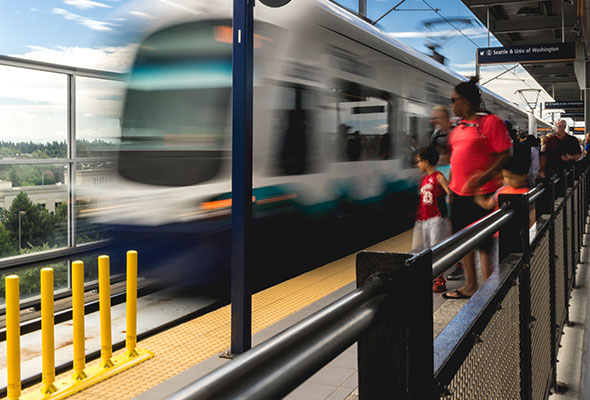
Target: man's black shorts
[(464, 212)]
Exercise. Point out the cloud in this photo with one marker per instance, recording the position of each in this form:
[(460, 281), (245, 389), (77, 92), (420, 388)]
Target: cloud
[(463, 65), (473, 33), (85, 4), (92, 24), (141, 14), (34, 103), (107, 58)]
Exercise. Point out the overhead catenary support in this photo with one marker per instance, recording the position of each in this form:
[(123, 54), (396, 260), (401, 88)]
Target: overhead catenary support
[(488, 24), (562, 22), (394, 8), (363, 8)]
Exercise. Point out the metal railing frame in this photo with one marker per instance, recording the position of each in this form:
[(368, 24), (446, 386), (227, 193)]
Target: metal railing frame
[(396, 352), (71, 159)]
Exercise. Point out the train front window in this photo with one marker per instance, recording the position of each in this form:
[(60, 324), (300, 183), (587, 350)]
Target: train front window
[(176, 128)]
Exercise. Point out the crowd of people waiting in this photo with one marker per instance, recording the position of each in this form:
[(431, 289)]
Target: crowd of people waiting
[(487, 157)]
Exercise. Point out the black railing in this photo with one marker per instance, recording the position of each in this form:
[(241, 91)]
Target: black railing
[(502, 344)]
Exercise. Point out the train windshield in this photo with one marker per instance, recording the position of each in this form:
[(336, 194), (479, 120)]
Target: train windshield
[(176, 126)]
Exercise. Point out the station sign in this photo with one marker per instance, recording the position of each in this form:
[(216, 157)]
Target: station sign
[(572, 114), (527, 54), (562, 105)]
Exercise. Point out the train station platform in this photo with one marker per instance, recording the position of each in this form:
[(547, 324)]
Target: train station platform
[(190, 350), (181, 359)]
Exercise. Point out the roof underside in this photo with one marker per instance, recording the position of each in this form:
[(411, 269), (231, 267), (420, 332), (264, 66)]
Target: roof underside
[(524, 22)]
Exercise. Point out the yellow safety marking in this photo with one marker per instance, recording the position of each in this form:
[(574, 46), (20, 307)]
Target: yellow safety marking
[(183, 346), (69, 386)]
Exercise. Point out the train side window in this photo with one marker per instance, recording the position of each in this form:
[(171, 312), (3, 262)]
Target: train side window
[(293, 124), (356, 120)]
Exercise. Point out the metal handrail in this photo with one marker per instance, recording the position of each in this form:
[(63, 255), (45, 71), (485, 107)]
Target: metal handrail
[(280, 364), (50, 256), (60, 68), (450, 251), (535, 193)]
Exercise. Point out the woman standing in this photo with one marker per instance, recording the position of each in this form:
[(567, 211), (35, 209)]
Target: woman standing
[(479, 145)]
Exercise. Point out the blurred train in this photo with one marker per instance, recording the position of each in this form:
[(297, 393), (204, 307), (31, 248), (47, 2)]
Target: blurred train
[(339, 109)]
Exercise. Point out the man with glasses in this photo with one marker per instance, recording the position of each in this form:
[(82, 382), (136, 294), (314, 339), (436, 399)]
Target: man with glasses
[(560, 151)]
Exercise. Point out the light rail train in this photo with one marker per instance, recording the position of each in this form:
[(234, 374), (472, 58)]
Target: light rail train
[(339, 109)]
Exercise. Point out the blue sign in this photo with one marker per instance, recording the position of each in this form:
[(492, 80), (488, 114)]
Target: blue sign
[(527, 54), (572, 114), (562, 105)]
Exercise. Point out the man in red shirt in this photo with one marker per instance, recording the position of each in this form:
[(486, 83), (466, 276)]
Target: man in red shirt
[(479, 146), (560, 151)]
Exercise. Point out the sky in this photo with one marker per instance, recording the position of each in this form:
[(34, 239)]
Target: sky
[(103, 34)]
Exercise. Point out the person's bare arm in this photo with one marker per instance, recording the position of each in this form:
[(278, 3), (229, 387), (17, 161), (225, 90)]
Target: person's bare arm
[(478, 181), (442, 181), (542, 163), (487, 203)]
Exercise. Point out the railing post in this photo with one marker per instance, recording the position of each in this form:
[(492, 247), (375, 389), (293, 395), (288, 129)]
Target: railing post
[(131, 339), (79, 360), (572, 226), (13, 382), (396, 357), (47, 332), (553, 323), (514, 238), (104, 291), (566, 255)]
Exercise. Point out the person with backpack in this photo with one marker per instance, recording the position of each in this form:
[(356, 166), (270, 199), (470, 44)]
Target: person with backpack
[(479, 146)]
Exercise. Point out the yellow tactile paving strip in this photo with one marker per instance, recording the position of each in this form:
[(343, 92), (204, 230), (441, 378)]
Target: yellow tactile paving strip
[(183, 346)]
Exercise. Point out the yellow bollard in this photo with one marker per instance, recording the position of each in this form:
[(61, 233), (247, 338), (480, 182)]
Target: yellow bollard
[(47, 339), (13, 337), (78, 319), (104, 289), (131, 340)]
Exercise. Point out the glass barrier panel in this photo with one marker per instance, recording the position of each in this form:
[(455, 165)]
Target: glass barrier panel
[(91, 178), (98, 108), (33, 208), (33, 114)]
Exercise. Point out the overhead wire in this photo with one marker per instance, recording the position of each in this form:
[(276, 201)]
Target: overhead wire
[(511, 70)]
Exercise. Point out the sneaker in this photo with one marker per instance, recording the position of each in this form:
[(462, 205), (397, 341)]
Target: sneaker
[(439, 285), (457, 274)]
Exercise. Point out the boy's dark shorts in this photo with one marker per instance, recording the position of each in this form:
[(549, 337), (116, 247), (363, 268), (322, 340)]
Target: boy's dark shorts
[(464, 212)]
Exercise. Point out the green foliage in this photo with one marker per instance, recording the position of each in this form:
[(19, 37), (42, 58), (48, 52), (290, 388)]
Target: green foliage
[(32, 175), (30, 279), (38, 150), (37, 225), (8, 247)]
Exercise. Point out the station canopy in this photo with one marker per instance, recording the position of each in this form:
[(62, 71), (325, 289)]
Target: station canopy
[(518, 23)]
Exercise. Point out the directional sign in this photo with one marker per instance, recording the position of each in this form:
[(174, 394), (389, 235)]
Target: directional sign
[(274, 3), (572, 114), (527, 54), (562, 105)]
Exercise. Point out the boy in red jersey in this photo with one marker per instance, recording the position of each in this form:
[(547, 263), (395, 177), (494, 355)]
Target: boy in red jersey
[(431, 225)]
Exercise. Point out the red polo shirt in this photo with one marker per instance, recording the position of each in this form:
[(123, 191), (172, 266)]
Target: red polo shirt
[(475, 146)]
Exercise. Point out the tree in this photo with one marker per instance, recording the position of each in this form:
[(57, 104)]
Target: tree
[(37, 224), (7, 244)]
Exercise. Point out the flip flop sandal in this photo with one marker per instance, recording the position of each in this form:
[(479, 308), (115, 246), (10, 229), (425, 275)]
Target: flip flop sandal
[(457, 295)]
